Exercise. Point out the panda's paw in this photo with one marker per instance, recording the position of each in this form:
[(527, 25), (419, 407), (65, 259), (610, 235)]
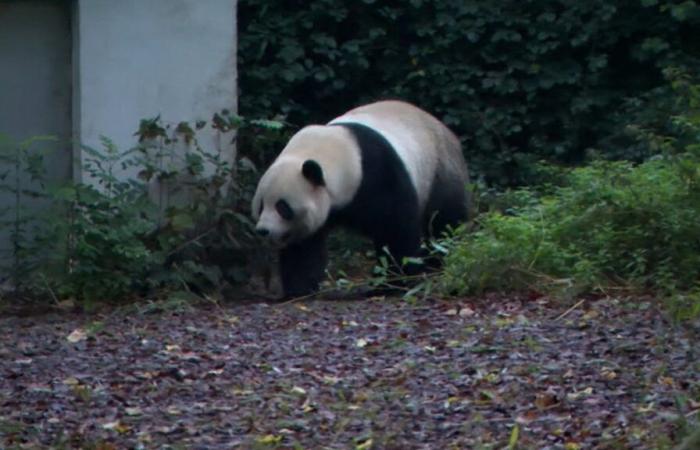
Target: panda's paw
[(269, 288)]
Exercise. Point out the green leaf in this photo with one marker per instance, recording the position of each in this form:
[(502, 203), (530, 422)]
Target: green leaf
[(268, 124), (182, 221), (513, 441)]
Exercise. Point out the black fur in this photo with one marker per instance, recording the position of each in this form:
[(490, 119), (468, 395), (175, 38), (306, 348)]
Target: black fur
[(448, 205), (313, 172), (303, 265), (385, 209)]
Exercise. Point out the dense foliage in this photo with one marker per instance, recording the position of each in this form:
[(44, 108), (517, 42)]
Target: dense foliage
[(179, 224), (608, 224), (517, 80), (520, 81)]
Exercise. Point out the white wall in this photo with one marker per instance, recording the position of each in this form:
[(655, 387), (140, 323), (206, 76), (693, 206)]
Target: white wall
[(84, 68), (137, 59)]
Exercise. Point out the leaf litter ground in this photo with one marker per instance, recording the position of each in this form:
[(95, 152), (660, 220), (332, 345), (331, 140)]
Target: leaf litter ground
[(366, 374)]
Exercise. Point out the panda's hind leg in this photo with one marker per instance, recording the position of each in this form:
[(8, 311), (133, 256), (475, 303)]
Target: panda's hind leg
[(401, 240), (450, 204), (303, 265)]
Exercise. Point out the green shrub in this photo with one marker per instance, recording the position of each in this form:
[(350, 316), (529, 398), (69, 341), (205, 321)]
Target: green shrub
[(98, 252), (614, 222), (519, 81), (22, 191), (611, 223), (114, 236)]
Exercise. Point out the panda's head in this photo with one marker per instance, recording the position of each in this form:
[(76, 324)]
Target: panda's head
[(291, 201)]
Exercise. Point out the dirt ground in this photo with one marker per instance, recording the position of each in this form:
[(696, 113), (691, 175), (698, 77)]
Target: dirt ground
[(495, 372)]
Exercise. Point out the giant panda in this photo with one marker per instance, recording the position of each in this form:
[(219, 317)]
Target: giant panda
[(388, 170)]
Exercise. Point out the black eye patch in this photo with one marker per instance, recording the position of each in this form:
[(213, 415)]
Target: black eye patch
[(284, 210)]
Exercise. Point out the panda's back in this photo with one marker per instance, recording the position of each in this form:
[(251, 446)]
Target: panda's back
[(424, 146)]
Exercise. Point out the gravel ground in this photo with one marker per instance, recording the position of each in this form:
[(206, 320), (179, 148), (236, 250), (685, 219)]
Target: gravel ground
[(379, 373)]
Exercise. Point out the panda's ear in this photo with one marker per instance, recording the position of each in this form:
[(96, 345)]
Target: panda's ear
[(312, 171)]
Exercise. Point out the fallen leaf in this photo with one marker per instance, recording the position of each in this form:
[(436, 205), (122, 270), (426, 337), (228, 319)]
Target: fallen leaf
[(451, 400), (667, 381), (71, 381), (364, 445), (241, 392), (608, 374), (269, 439), (583, 393), (110, 425), (545, 400), (330, 380), (646, 409), (189, 356), (503, 322), (591, 314), (167, 429), (514, 434), (527, 418), (466, 312), (145, 375), (232, 319), (77, 335), (66, 304), (307, 407), (135, 411)]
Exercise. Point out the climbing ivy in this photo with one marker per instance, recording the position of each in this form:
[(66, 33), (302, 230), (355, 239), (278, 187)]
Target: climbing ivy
[(518, 80)]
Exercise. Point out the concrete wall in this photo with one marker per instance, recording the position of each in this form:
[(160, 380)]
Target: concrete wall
[(142, 58), (81, 69), (35, 62)]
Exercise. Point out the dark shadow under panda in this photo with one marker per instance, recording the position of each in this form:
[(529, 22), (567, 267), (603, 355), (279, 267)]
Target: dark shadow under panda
[(388, 170)]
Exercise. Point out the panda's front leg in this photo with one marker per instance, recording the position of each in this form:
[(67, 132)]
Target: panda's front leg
[(303, 265)]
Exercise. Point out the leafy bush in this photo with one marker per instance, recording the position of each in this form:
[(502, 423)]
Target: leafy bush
[(23, 189), (180, 223), (611, 223), (518, 81)]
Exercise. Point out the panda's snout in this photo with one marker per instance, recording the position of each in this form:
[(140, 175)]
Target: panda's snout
[(262, 231)]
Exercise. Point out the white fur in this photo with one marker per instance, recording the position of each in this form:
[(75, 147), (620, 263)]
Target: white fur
[(336, 151)]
